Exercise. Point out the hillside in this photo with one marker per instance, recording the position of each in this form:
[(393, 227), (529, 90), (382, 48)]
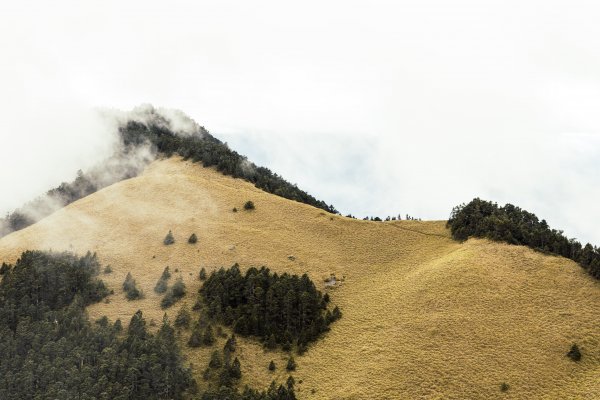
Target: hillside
[(423, 316)]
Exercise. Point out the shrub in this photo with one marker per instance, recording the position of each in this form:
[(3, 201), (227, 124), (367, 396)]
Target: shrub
[(249, 205), (193, 239), (234, 209), (169, 239), (504, 387), (272, 366), (574, 354), (107, 270), (203, 274)]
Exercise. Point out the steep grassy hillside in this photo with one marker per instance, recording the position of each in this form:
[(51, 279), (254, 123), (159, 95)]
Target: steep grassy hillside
[(423, 315)]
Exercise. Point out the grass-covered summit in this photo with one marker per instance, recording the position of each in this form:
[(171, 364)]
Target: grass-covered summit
[(143, 135)]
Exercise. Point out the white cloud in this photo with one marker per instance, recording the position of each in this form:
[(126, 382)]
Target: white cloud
[(377, 107)]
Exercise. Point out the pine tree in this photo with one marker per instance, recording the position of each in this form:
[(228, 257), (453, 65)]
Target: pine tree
[(169, 239), (215, 360), (130, 288), (182, 320), (161, 285), (272, 366), (230, 344), (271, 342), (203, 274), (291, 364), (195, 338), (193, 239), (208, 338), (235, 371), (179, 288)]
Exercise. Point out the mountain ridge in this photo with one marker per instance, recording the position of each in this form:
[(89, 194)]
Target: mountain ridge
[(424, 316)]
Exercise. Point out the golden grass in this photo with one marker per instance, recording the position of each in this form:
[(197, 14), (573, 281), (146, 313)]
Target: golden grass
[(423, 316)]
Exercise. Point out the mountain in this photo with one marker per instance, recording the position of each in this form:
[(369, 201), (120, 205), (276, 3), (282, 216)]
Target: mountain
[(424, 316)]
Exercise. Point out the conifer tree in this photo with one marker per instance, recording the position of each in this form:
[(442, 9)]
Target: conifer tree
[(208, 339), (182, 320), (169, 239), (215, 360), (291, 364), (195, 338)]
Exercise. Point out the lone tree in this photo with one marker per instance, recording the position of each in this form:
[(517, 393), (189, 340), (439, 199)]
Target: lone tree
[(272, 366), (249, 205), (169, 239), (193, 239), (574, 354), (203, 274)]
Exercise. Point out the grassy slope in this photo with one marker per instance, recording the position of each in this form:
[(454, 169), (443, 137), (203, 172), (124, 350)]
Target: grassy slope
[(424, 316)]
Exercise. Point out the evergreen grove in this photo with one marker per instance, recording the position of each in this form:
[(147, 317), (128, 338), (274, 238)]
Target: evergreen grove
[(279, 309), (513, 225), (52, 351)]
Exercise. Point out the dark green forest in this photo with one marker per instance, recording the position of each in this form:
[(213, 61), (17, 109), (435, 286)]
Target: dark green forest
[(200, 147), (50, 350), (511, 224), (279, 309)]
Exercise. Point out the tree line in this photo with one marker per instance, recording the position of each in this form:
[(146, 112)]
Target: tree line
[(511, 224), (205, 148), (50, 349)]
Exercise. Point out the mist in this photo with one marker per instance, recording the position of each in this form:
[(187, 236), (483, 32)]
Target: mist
[(378, 108)]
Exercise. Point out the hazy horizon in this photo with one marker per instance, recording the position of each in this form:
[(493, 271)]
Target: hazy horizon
[(378, 108)]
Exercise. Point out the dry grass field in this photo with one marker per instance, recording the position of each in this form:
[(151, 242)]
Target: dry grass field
[(424, 317)]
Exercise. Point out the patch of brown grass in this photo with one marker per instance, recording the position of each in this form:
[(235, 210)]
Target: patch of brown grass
[(423, 316)]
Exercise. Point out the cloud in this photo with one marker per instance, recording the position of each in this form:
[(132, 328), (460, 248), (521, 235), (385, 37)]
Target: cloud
[(404, 106)]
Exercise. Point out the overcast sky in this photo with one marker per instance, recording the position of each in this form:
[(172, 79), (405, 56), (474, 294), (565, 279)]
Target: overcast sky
[(376, 107)]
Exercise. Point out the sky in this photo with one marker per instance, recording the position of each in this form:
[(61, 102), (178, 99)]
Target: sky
[(379, 108)]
